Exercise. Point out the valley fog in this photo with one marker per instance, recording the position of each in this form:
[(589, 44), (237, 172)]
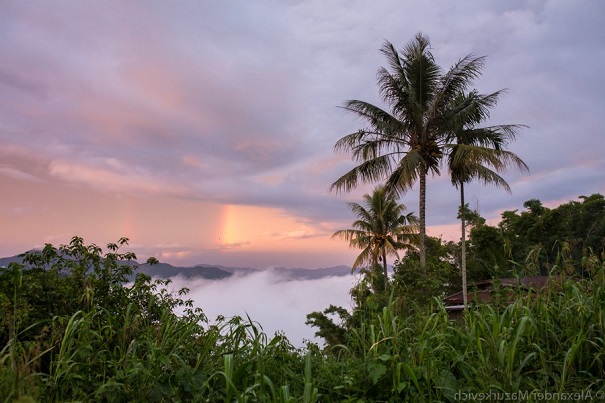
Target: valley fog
[(270, 299)]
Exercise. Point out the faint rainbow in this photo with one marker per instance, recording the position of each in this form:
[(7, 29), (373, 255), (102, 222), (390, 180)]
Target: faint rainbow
[(228, 224), (127, 224)]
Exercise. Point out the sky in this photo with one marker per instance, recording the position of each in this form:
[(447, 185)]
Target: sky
[(204, 130)]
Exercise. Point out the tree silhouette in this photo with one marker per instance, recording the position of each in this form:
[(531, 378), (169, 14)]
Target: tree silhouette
[(477, 153), (381, 229), (403, 145)]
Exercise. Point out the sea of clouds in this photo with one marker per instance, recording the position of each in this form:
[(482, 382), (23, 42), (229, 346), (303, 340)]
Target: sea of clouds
[(270, 299)]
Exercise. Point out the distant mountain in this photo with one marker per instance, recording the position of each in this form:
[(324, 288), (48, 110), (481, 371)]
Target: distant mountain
[(218, 272), (313, 274), (5, 261), (160, 270), (165, 270), (232, 270)]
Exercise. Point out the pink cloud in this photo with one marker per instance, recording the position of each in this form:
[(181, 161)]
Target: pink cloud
[(113, 176)]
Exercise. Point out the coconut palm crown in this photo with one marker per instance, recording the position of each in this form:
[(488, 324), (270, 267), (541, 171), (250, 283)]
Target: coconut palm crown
[(381, 229)]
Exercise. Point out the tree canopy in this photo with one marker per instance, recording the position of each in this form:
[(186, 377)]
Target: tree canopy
[(381, 230)]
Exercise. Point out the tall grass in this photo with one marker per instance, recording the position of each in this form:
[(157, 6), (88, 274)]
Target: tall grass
[(550, 342), (553, 341)]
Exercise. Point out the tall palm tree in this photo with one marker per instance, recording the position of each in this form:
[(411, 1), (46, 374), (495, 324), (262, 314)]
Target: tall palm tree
[(381, 229), (405, 144), (477, 153)]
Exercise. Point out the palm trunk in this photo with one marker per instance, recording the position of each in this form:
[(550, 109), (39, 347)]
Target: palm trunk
[(463, 257), (422, 212), (384, 267)]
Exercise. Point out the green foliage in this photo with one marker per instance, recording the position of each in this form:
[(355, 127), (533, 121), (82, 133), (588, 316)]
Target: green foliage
[(80, 329), (334, 334), (135, 348), (546, 241), (551, 342), (487, 257), (381, 230), (415, 288)]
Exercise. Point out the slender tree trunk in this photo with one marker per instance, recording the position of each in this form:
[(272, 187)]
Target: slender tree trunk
[(422, 213), (384, 267), (463, 257)]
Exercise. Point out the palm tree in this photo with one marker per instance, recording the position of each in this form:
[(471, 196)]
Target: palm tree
[(478, 153), (381, 229), (405, 144)]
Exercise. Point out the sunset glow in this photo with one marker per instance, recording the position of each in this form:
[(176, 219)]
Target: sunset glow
[(205, 132)]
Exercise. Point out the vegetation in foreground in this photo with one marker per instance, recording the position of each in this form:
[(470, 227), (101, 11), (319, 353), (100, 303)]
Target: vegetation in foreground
[(74, 330)]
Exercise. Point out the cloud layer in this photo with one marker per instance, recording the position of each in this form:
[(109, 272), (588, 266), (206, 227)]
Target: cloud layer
[(274, 302)]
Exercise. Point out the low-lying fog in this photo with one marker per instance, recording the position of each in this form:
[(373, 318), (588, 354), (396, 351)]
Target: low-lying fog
[(272, 300)]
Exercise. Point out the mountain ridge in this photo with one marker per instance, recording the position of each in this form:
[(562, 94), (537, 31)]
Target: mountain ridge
[(218, 272)]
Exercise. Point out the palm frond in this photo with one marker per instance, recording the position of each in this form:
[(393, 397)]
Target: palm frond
[(370, 171), (367, 111), (468, 154), (488, 176), (365, 257), (459, 77), (405, 174)]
